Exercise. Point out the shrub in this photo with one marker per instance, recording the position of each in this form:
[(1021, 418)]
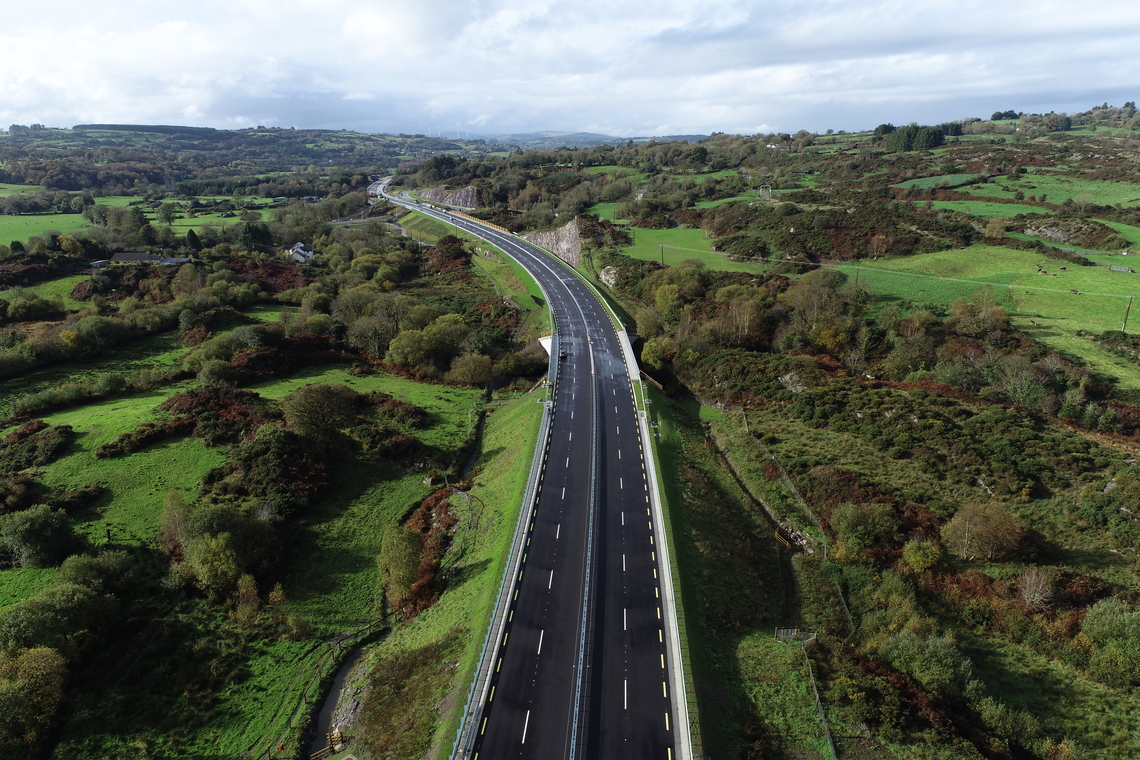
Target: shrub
[(65, 617), (990, 531), (33, 444)]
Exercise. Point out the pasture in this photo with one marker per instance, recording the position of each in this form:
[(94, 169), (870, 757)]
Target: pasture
[(62, 288), (23, 226), (8, 189), (984, 208), (676, 245), (1058, 188), (606, 211), (329, 574), (1040, 304), (636, 177), (942, 180), (750, 196)]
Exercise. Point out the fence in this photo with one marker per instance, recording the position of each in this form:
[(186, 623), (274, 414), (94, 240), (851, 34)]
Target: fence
[(807, 510)]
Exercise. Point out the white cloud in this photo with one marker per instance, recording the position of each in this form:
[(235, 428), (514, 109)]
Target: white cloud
[(521, 65)]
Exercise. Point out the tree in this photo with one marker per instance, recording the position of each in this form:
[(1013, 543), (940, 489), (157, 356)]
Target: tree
[(988, 531), (215, 371), (247, 613), (667, 301), (173, 521), (408, 349), (70, 245), (214, 562), (136, 219), (192, 241), (167, 213), (372, 335), (31, 691), (399, 562), (109, 572), (995, 229), (317, 411), (657, 353), (65, 617), (1035, 589), (447, 336), (1082, 202), (37, 537)]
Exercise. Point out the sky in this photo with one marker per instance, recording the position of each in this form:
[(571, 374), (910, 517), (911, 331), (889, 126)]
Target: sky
[(486, 67)]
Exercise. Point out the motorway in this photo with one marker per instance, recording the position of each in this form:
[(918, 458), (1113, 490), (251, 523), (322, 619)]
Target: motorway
[(581, 668)]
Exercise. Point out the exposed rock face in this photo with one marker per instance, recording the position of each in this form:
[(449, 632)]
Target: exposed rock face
[(1085, 233), (465, 198), (609, 277), (563, 242)]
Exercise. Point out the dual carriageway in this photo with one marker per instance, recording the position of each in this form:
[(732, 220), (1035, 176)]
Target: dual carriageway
[(582, 657)]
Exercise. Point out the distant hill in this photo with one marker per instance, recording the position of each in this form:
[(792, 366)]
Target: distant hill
[(552, 139)]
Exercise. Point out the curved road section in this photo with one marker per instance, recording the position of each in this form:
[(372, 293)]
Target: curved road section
[(582, 660)]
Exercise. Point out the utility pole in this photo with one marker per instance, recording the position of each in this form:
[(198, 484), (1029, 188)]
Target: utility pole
[(1125, 327), (662, 254)]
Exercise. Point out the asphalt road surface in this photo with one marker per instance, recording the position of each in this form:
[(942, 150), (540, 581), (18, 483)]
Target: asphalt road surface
[(580, 671)]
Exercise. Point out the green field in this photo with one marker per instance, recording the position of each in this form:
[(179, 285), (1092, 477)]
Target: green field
[(636, 177), (606, 211), (24, 226), (750, 197), (942, 180), (429, 229), (676, 245), (62, 288), (1132, 234), (941, 278), (7, 189), (1059, 188), (154, 352), (19, 583), (329, 574), (447, 406), (982, 208)]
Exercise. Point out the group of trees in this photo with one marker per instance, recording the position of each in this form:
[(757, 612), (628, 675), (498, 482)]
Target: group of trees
[(915, 137)]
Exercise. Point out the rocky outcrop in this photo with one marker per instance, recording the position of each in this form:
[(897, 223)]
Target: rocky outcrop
[(562, 242), (609, 276), (465, 198), (1085, 233)]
